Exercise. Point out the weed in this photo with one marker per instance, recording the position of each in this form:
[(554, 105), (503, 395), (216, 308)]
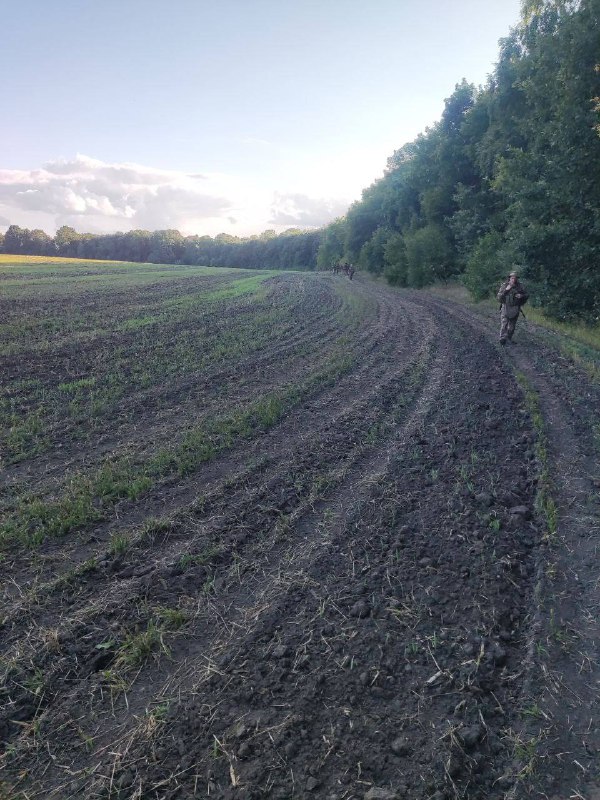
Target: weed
[(542, 652), (550, 570), (74, 386), (283, 527), (25, 438), (88, 741), (207, 556), (51, 638), (557, 630), (412, 648), (374, 433), (106, 645), (217, 751), (161, 710), (495, 524), (115, 681), (269, 411), (35, 682), (171, 618), (154, 526), (138, 647), (89, 565), (525, 749), (320, 485), (155, 719), (119, 544), (533, 711)]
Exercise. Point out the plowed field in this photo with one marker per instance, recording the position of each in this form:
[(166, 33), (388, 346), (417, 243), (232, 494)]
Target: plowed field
[(291, 536)]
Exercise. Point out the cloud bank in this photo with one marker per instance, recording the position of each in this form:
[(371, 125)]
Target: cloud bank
[(99, 197), (302, 211)]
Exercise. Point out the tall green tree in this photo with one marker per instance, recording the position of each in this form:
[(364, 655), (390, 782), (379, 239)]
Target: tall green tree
[(66, 240), (331, 248)]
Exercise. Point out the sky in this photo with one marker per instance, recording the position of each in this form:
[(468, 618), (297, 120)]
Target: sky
[(232, 117)]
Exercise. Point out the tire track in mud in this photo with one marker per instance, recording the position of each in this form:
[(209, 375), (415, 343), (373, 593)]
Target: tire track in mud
[(312, 581), (562, 684), (565, 679)]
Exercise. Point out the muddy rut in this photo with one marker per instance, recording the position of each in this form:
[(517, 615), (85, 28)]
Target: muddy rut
[(366, 600)]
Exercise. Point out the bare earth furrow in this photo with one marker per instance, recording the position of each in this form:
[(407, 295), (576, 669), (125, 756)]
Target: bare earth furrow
[(374, 356), (361, 414), (361, 602), (265, 592)]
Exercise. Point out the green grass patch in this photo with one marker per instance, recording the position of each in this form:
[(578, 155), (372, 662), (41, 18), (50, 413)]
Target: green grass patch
[(24, 438), (138, 647), (207, 556), (579, 343), (586, 334), (74, 386), (136, 323)]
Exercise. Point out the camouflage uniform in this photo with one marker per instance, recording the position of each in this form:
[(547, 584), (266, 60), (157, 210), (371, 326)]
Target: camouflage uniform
[(511, 298)]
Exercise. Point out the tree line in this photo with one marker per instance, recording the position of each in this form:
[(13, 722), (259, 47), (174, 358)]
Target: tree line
[(293, 249), (509, 176)]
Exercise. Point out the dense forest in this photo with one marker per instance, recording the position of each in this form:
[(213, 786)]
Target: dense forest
[(510, 175)]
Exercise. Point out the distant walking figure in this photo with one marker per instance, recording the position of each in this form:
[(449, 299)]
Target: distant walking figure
[(511, 296)]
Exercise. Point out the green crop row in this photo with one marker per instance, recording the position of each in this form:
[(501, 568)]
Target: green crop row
[(88, 498)]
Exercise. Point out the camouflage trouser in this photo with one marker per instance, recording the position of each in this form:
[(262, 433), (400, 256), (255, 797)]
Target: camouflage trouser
[(507, 325)]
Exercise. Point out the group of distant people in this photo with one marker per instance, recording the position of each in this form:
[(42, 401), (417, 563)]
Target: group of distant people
[(345, 267)]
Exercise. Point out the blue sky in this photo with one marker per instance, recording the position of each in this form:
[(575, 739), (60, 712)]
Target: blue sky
[(235, 116)]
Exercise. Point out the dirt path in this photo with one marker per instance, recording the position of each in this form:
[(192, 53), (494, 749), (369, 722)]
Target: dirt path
[(363, 602), (562, 693)]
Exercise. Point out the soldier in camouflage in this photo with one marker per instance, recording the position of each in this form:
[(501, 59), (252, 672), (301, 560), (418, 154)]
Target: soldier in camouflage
[(511, 296)]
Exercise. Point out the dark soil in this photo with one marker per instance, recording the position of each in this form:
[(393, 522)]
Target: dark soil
[(364, 601)]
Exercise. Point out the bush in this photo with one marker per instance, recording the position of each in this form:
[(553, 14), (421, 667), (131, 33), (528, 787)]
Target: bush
[(487, 266), (429, 255)]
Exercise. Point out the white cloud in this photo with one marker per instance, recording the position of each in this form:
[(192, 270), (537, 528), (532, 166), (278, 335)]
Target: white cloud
[(302, 211), (96, 196)]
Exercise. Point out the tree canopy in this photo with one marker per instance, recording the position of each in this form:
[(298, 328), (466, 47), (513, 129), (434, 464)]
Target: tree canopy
[(510, 175)]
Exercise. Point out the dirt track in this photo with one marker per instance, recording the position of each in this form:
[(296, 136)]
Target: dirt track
[(364, 601)]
